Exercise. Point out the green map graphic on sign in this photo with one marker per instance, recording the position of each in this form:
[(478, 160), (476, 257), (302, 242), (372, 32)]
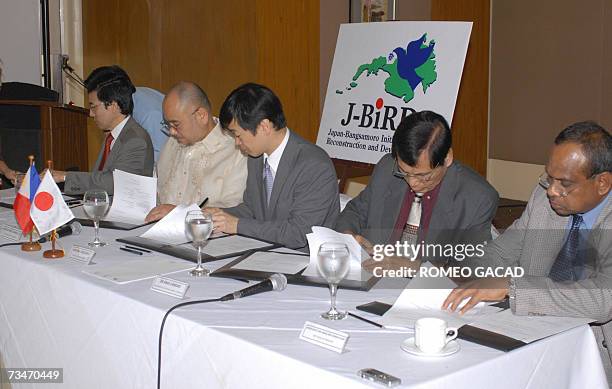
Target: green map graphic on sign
[(406, 69)]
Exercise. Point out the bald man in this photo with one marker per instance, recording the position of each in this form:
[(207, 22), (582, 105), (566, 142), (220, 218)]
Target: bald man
[(199, 161)]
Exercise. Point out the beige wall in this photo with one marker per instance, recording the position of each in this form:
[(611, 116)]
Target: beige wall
[(551, 64)]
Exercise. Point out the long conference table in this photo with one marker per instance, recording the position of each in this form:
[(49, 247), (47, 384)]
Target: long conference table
[(104, 335)]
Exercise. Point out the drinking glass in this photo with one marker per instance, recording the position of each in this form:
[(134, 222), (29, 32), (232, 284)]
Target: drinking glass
[(95, 205), (333, 264), (198, 226)]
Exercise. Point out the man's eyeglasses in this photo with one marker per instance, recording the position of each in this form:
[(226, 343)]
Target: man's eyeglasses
[(166, 125), (93, 107), (423, 177), (547, 182)]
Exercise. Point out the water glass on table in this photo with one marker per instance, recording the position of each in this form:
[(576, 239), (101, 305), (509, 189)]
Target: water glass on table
[(95, 205), (198, 227), (333, 264)]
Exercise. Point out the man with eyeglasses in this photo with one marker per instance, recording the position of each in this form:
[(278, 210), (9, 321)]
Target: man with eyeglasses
[(419, 193), (563, 241), (127, 146), (199, 161)]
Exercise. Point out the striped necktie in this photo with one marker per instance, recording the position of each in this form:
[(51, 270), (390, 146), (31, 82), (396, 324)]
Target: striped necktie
[(268, 180), (411, 229)]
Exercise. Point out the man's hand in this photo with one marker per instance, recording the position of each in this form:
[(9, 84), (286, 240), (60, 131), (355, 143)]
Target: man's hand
[(159, 212), (484, 289), (223, 221), (58, 175), (11, 175), (391, 263), (363, 242)]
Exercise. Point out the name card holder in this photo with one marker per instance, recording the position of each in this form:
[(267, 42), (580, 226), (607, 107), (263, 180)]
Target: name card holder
[(325, 337), (81, 254), (170, 287)]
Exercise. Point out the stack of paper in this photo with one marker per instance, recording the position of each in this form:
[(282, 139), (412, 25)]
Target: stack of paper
[(321, 235), (138, 269), (134, 197), (423, 297), (171, 229)]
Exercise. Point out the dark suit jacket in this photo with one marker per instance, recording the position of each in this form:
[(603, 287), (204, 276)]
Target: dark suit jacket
[(132, 153), (305, 194), (463, 211)]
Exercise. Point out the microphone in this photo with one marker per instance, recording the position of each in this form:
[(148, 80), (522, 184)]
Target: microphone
[(276, 282), (73, 228)]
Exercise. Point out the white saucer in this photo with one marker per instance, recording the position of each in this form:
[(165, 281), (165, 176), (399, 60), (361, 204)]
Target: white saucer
[(411, 348)]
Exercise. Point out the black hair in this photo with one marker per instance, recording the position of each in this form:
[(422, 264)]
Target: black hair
[(422, 131), (249, 104), (596, 144), (112, 84)]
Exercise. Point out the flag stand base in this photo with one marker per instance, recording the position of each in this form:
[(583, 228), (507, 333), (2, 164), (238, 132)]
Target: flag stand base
[(30, 246), (53, 253)]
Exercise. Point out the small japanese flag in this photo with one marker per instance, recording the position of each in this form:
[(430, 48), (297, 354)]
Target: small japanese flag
[(49, 210)]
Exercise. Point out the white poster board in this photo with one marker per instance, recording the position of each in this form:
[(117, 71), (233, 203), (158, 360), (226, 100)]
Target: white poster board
[(383, 72)]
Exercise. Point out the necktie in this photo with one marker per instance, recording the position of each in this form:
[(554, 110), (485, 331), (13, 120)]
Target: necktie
[(268, 180), (563, 268), (107, 148), (411, 229)]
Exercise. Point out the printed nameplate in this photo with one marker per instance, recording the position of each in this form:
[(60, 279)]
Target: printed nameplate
[(170, 287), (325, 337), (10, 233), (81, 254)]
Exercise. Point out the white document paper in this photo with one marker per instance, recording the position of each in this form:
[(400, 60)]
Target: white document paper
[(321, 235), (134, 197), (423, 297), (272, 262), (171, 229), (138, 269), (231, 244), (528, 328)]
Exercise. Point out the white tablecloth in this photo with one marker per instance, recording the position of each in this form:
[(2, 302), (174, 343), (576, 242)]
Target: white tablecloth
[(105, 336)]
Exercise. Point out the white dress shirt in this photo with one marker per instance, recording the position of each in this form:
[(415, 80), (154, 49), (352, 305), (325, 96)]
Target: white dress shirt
[(213, 167)]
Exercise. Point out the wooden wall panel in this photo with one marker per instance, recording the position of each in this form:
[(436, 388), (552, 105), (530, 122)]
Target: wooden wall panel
[(125, 33), (470, 121), (288, 59), (218, 45), (217, 50)]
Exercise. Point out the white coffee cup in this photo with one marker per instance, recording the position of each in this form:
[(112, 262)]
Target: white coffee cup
[(432, 334)]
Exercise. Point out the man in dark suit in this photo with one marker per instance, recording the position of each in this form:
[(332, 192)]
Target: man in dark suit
[(127, 146), (291, 184), (418, 193), (563, 241)]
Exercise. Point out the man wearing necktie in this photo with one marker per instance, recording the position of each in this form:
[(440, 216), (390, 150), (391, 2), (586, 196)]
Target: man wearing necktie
[(126, 146), (291, 183), (563, 241), (419, 193)]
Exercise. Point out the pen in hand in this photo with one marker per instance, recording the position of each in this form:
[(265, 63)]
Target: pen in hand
[(203, 203)]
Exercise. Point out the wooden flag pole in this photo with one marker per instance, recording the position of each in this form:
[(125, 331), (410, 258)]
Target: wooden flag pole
[(53, 253), (30, 246)]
